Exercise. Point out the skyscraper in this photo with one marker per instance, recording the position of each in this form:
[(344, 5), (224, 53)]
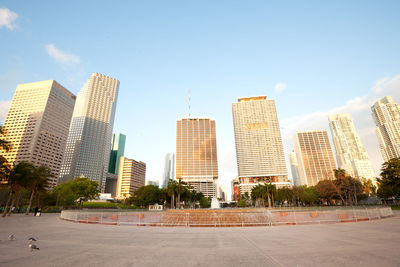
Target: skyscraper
[(117, 151), (259, 149), (169, 169), (196, 154), (350, 152), (131, 176), (386, 115), (88, 146), (314, 156), (294, 166), (37, 124)]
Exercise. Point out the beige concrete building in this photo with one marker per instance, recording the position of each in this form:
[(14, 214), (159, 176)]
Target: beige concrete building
[(259, 149), (350, 152), (314, 156), (131, 176), (37, 124), (196, 154), (386, 115), (88, 145)]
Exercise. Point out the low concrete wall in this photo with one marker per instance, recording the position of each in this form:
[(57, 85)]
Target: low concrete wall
[(228, 218)]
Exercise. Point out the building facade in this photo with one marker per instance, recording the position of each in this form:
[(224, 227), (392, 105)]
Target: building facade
[(386, 115), (88, 146), (169, 169), (259, 148), (314, 156), (196, 154), (117, 151), (131, 176), (294, 166), (350, 152), (37, 124)]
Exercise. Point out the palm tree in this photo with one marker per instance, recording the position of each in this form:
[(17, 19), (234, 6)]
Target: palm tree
[(171, 189), (339, 173), (38, 183), (180, 188), (4, 144), (18, 178)]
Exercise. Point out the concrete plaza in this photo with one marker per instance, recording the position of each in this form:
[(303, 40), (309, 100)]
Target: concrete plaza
[(62, 243)]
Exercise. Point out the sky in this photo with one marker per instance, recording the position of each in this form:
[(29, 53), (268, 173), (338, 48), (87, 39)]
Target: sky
[(315, 58)]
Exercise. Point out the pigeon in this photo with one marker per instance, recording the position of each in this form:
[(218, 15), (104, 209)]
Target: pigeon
[(33, 247), (11, 237), (32, 239)]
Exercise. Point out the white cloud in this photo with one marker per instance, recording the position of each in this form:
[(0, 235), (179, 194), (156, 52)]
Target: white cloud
[(61, 56), (4, 105), (8, 18), (279, 87), (360, 110)]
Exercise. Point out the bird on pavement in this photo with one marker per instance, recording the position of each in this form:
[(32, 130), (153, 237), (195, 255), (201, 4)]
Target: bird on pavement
[(11, 237), (33, 247), (32, 239)]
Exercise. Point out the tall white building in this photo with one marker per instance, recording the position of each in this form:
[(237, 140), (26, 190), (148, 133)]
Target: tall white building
[(259, 149), (37, 124), (350, 152), (88, 146), (386, 115), (169, 169), (294, 166)]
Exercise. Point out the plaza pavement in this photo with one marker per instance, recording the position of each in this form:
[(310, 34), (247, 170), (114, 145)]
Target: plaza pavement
[(62, 243)]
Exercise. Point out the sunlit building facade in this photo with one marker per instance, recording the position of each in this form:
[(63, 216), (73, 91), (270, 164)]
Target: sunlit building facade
[(259, 149), (131, 176), (350, 152), (314, 156), (37, 124), (88, 146), (386, 115), (196, 154)]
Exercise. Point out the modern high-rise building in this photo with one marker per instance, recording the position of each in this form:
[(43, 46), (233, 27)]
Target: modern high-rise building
[(314, 156), (117, 151), (88, 146), (350, 152), (294, 166), (386, 115), (37, 124), (131, 176), (169, 169), (259, 149), (196, 154)]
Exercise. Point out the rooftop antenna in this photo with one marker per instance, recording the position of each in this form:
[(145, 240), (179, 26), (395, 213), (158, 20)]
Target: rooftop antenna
[(189, 103)]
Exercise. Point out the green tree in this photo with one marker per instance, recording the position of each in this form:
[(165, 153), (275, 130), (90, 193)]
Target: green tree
[(17, 179), (298, 192), (147, 195), (171, 189), (38, 183), (284, 194), (80, 188), (368, 187), (389, 182), (205, 202), (310, 195), (339, 173), (4, 144), (180, 188), (326, 190)]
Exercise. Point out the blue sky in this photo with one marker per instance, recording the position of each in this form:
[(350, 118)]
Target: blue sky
[(312, 57)]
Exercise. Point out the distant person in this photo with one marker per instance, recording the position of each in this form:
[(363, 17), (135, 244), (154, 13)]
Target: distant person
[(36, 210)]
